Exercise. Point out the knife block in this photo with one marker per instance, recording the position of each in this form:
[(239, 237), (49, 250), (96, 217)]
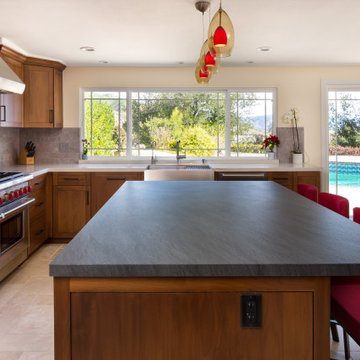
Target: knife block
[(24, 159)]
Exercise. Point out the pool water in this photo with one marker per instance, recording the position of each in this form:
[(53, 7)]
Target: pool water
[(348, 174)]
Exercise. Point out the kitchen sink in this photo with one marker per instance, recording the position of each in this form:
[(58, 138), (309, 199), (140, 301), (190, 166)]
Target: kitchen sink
[(173, 172)]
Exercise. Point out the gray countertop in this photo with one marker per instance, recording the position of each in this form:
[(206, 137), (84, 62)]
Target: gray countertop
[(159, 229)]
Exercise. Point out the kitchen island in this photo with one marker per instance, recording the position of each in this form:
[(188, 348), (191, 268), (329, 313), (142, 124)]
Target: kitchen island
[(160, 272)]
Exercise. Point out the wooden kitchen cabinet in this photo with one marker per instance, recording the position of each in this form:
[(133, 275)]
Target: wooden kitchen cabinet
[(43, 94), (104, 185), (40, 211), (189, 318), (71, 204), (307, 177), (12, 111), (282, 178)]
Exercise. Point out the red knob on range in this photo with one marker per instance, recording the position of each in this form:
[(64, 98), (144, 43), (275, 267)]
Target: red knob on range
[(16, 194), (21, 192), (1, 201), (25, 190), (29, 188), (11, 196)]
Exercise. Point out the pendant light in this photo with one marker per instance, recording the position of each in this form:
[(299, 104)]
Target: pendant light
[(209, 58), (202, 74), (221, 30)]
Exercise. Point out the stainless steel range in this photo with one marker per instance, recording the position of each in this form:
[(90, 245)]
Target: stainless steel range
[(14, 220)]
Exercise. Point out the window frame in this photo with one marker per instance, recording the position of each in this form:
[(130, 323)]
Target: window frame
[(129, 90)]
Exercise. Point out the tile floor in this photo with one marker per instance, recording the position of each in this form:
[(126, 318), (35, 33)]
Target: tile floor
[(26, 312)]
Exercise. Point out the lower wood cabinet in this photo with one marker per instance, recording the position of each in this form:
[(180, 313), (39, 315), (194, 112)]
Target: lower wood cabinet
[(104, 185), (307, 177), (282, 178), (71, 204), (190, 318), (40, 211)]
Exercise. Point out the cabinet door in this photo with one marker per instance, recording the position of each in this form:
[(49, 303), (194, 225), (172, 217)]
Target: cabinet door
[(191, 326), (39, 96), (12, 112), (58, 99), (282, 178), (104, 185), (71, 210), (307, 177)]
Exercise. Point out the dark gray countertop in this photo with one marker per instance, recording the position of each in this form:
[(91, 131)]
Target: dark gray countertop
[(159, 229)]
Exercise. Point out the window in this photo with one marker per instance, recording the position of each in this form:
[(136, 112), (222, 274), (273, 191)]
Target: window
[(211, 123)]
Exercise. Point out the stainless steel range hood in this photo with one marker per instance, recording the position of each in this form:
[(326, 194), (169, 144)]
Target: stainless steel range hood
[(9, 81)]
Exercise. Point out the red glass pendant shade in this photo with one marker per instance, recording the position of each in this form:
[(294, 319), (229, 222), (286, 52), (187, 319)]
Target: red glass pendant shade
[(210, 60), (203, 73), (220, 37)]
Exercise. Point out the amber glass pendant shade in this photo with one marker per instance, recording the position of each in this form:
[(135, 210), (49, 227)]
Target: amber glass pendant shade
[(202, 74), (208, 57), (221, 26)]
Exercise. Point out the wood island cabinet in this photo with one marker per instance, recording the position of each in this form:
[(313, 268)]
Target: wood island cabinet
[(104, 185), (71, 203), (12, 105), (43, 94)]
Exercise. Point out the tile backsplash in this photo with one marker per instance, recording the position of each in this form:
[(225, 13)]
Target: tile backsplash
[(9, 146), (285, 136), (53, 146)]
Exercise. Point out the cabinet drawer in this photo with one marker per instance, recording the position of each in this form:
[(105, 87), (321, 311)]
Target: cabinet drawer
[(282, 178), (38, 233), (72, 179), (39, 205), (38, 183)]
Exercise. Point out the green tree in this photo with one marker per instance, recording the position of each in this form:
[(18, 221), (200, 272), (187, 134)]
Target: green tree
[(101, 130)]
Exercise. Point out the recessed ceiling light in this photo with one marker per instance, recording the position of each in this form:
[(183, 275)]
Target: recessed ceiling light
[(103, 62), (264, 48), (87, 48), (250, 62), (181, 63)]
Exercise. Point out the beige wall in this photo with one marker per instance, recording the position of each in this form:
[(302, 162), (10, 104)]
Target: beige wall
[(297, 86)]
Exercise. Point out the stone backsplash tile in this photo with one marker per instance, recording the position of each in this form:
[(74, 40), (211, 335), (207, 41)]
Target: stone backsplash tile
[(285, 136), (9, 146), (53, 146)]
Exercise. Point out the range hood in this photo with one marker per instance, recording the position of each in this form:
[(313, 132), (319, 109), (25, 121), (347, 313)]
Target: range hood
[(9, 81)]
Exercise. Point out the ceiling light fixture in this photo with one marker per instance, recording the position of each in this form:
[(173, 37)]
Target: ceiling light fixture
[(219, 43), (87, 48), (264, 48)]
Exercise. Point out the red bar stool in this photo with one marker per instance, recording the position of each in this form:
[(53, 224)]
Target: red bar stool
[(309, 191), (356, 216), (335, 203)]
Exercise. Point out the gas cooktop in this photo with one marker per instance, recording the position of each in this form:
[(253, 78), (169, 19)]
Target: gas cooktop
[(6, 176)]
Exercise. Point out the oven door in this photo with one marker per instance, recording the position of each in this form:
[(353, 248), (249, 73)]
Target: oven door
[(13, 224)]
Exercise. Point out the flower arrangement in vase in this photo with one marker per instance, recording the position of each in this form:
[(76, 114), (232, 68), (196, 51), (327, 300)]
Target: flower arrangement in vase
[(85, 149), (292, 117), (269, 144)]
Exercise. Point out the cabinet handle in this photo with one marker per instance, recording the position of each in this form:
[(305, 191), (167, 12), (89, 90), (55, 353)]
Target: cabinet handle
[(114, 179), (39, 204), (3, 118), (87, 198), (281, 178), (71, 179), (39, 232), (51, 116), (39, 183)]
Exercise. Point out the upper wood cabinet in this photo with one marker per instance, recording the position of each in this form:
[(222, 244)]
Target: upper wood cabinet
[(43, 94), (12, 105)]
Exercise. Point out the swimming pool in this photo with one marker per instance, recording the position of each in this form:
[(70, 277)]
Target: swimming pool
[(348, 174)]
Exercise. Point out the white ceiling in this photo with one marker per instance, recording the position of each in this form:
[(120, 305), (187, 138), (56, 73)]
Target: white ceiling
[(166, 32)]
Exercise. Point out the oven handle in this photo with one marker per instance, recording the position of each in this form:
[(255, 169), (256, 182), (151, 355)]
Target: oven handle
[(16, 208)]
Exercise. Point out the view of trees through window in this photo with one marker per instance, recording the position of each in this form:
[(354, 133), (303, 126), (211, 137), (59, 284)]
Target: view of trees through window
[(160, 118)]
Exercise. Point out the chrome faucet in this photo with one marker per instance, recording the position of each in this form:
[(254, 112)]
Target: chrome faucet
[(178, 156), (153, 157)]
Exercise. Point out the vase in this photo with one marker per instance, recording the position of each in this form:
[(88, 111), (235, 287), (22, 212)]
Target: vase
[(270, 155), (84, 156), (297, 159)]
